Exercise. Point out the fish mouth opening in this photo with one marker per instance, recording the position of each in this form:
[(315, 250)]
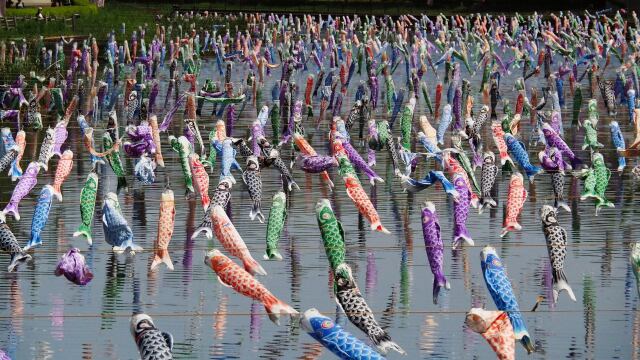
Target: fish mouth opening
[(486, 251), (136, 319), (322, 203), (429, 206), (546, 209), (475, 322), (305, 319), (209, 255)]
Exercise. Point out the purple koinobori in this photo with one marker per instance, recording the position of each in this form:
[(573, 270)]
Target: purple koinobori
[(316, 163), (22, 189), (73, 267), (435, 248), (461, 212), (359, 162)]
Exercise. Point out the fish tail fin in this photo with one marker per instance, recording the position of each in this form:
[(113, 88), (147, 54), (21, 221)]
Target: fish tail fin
[(256, 211), (272, 254), (162, 256), (377, 226), (127, 245), (376, 178), (474, 200), (527, 343), (385, 345), (325, 176), (486, 202), (383, 342), (520, 331), (85, 231), (562, 204), (588, 193), (276, 308), (622, 163), (461, 234), (57, 191), (331, 185), (10, 209), (510, 226), (439, 282), (604, 202), (290, 183), (560, 283), (505, 158), (205, 200), (206, 229), (122, 183), (34, 241), (601, 202), (253, 267), (17, 259), (15, 171), (532, 171), (118, 249)]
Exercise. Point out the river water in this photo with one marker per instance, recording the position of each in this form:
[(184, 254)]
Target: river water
[(46, 317)]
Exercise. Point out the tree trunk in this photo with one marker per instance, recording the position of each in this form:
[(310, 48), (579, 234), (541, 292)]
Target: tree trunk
[(3, 7)]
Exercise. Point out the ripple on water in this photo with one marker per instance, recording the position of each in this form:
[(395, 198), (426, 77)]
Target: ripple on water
[(209, 320)]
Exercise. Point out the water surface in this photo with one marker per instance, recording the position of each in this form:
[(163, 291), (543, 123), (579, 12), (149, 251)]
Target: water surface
[(46, 317)]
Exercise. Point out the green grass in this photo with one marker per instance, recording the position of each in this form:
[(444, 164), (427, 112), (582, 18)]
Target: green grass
[(82, 7), (94, 21)]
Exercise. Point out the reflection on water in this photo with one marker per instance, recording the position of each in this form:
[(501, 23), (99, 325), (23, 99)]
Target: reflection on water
[(589, 304), (635, 338), (45, 317), (57, 318), (113, 286)]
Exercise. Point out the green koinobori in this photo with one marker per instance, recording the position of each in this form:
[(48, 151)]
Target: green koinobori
[(114, 160), (211, 160), (277, 218), (87, 206), (183, 147), (577, 105), (464, 161), (332, 233), (590, 136), (596, 182), (406, 121), (275, 122), (345, 167)]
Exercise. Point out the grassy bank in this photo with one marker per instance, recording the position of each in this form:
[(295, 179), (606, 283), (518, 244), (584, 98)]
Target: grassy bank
[(94, 21), (82, 7)]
